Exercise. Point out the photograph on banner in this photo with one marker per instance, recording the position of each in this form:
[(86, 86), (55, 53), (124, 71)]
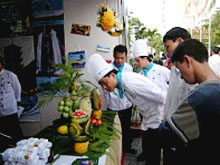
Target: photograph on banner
[(47, 80), (77, 59), (81, 29), (48, 36), (14, 20)]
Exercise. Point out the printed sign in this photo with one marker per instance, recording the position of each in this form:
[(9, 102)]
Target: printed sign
[(77, 59)]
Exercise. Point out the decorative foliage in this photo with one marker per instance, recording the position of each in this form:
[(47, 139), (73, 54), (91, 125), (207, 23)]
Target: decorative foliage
[(108, 21)]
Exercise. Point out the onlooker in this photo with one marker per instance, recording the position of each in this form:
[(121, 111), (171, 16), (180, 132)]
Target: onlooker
[(10, 94), (122, 105), (196, 121), (214, 60), (141, 91), (160, 76), (178, 89)]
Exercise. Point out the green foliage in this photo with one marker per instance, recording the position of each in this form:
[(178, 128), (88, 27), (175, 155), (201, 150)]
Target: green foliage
[(137, 28), (133, 64), (215, 29), (63, 85), (155, 41), (158, 60)]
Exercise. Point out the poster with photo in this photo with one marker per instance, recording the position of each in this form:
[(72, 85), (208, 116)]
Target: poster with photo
[(77, 59), (81, 29)]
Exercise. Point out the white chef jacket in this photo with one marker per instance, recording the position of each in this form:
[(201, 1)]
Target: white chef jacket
[(146, 95), (113, 101), (177, 92), (10, 92), (214, 63), (159, 75)]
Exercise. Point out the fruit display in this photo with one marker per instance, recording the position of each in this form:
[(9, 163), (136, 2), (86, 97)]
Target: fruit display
[(83, 127), (78, 110), (96, 99), (82, 111), (81, 147), (63, 130)]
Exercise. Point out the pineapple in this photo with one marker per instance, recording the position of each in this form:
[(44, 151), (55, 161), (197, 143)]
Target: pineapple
[(81, 147)]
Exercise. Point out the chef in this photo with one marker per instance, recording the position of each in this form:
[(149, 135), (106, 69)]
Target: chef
[(160, 76), (123, 106), (141, 91), (10, 94)]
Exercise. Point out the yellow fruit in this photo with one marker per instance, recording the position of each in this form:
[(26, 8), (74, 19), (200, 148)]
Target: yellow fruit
[(81, 147), (93, 121), (99, 122), (97, 114), (63, 129)]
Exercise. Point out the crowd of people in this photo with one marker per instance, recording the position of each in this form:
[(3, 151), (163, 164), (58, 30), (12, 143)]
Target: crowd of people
[(179, 102), (178, 99)]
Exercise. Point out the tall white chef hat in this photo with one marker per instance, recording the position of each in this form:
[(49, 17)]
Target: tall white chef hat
[(98, 67), (140, 48)]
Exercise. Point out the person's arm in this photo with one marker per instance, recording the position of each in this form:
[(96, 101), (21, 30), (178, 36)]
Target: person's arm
[(16, 86), (139, 85), (167, 137), (180, 128)]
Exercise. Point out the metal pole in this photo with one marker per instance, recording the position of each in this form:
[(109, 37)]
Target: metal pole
[(210, 30)]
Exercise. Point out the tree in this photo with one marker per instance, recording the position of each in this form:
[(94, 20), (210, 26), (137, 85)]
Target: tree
[(215, 29), (136, 28), (155, 41), (139, 31)]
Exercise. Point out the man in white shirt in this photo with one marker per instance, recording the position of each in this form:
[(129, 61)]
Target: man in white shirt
[(214, 60), (122, 105), (10, 94), (141, 91), (178, 88), (159, 75)]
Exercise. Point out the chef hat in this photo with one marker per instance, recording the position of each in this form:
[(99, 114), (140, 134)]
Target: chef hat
[(98, 67), (140, 48)]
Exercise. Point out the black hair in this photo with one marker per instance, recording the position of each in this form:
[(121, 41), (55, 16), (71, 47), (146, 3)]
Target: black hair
[(216, 49), (121, 49), (148, 58), (112, 71), (176, 32), (191, 47)]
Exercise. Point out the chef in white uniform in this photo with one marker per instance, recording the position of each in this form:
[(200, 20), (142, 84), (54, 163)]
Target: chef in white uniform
[(10, 94), (159, 75), (141, 91), (122, 106)]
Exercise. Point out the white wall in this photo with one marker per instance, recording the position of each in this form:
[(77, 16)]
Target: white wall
[(84, 12)]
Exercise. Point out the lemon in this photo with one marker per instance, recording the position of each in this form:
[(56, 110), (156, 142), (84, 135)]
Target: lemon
[(63, 129)]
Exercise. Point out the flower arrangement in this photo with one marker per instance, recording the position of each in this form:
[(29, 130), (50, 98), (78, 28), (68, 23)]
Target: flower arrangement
[(108, 21)]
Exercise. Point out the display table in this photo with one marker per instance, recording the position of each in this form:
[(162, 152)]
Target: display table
[(115, 150)]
